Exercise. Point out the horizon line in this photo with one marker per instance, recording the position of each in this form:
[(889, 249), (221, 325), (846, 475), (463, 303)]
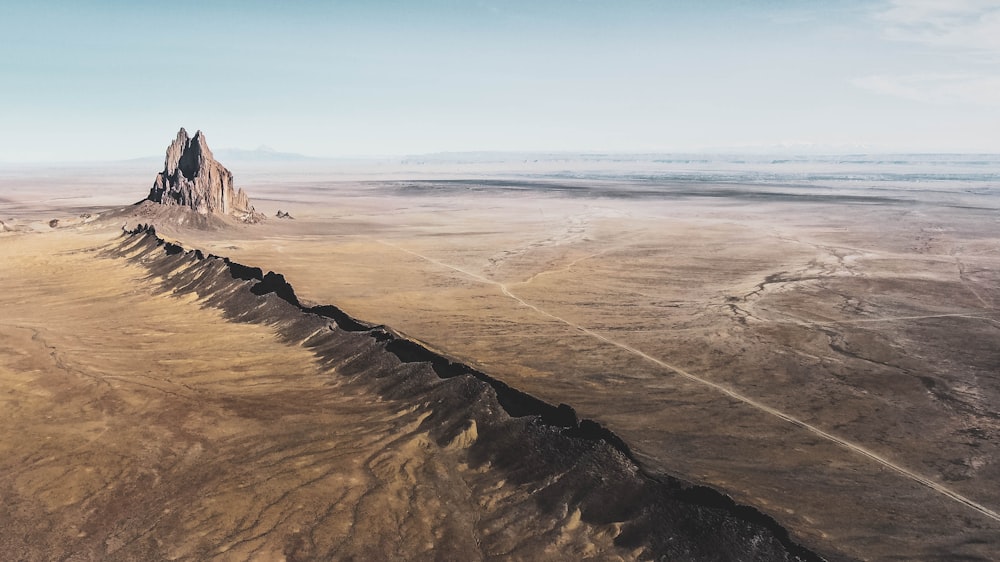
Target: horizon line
[(712, 151)]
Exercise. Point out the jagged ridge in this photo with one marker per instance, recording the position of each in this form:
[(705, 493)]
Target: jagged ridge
[(528, 438)]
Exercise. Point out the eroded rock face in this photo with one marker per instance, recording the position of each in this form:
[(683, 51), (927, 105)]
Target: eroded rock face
[(192, 178)]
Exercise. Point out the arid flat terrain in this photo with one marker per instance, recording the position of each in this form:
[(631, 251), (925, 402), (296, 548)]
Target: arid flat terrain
[(139, 426), (827, 354)]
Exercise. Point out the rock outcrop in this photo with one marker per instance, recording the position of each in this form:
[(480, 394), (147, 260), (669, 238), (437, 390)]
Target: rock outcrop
[(192, 178)]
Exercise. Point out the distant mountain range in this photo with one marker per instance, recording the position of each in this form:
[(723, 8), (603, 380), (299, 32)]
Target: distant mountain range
[(267, 155), (262, 153)]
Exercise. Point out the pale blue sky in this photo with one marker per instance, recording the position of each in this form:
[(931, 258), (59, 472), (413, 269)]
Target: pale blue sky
[(115, 79)]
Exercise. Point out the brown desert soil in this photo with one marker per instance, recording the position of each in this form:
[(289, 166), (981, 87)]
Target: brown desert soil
[(144, 426), (832, 363)]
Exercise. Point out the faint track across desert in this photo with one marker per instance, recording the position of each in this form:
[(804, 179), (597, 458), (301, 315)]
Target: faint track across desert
[(853, 447)]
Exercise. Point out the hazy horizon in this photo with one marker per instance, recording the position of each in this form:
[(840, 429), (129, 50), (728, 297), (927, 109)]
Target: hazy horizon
[(264, 154), (108, 80)]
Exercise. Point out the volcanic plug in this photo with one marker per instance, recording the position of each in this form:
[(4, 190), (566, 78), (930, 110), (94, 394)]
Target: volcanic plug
[(194, 179)]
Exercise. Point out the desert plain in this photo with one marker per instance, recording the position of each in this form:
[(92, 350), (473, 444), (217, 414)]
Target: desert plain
[(822, 347)]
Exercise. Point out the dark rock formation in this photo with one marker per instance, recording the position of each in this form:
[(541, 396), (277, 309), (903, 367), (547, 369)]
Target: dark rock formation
[(192, 178), (283, 215)]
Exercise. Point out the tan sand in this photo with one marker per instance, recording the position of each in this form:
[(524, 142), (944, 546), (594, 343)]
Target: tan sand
[(142, 426), (875, 325), (830, 362)]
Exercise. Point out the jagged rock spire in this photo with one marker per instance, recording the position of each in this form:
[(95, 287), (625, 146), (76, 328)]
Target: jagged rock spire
[(192, 178)]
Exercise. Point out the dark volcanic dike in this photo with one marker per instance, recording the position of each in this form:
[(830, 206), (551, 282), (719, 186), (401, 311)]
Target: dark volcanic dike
[(568, 463)]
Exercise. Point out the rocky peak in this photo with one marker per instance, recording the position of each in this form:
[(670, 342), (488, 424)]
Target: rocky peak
[(192, 178)]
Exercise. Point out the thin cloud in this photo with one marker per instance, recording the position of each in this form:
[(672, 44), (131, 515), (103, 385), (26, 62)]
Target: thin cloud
[(964, 32), (969, 25), (944, 89)]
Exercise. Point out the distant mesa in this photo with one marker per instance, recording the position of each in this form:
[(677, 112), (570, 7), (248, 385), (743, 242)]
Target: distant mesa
[(192, 178)]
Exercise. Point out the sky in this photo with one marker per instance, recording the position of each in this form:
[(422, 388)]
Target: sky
[(115, 79)]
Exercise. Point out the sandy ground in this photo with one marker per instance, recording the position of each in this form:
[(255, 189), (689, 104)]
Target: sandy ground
[(143, 426), (832, 362)]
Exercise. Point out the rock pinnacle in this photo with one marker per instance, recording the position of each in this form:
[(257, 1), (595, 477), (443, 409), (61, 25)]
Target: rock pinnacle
[(192, 178)]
